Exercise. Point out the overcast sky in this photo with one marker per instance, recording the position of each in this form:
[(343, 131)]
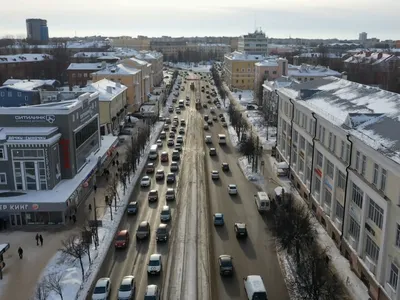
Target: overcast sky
[(342, 19)]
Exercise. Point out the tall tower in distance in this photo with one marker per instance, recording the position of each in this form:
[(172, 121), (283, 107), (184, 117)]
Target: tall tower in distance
[(362, 37), (37, 31)]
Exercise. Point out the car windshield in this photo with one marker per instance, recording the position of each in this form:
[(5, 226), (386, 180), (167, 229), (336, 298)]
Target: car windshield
[(121, 238), (241, 229), (161, 230), (154, 263), (99, 290), (259, 296), (125, 288), (149, 297), (142, 228), (132, 206), (153, 193), (226, 263)]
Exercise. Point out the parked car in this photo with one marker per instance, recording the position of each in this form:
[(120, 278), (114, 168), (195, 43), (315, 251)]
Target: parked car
[(152, 292)]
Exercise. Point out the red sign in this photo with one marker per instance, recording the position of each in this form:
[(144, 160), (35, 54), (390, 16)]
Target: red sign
[(318, 171), (65, 153)]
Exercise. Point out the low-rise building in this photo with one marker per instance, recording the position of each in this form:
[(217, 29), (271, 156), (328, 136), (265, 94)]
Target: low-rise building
[(269, 69), (304, 73), (146, 78), (80, 73), (239, 69), (129, 77), (49, 154), (341, 141), (138, 43)]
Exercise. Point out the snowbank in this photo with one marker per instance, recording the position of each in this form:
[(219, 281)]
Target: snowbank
[(73, 286), (256, 178)]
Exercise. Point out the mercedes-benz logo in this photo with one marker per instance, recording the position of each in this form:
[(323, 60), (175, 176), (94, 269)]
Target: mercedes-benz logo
[(50, 118)]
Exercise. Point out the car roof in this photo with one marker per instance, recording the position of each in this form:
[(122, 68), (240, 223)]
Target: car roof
[(225, 258), (123, 232), (162, 226), (146, 177), (215, 171), (133, 203), (232, 185), (218, 215), (165, 207), (155, 256), (171, 174), (127, 279), (160, 170), (102, 281), (164, 152), (150, 164), (151, 290), (143, 223), (240, 225)]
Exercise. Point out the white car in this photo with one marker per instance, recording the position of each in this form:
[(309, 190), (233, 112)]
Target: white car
[(232, 189), (208, 139), (155, 265), (214, 174), (159, 143), (127, 288), (145, 182), (102, 289), (152, 292)]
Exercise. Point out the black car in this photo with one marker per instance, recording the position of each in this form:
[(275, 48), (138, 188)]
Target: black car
[(225, 167), (206, 118), (171, 178), (240, 230), (175, 155), (225, 265), (213, 152)]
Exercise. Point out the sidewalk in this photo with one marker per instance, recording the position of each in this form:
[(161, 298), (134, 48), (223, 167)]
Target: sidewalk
[(355, 287)]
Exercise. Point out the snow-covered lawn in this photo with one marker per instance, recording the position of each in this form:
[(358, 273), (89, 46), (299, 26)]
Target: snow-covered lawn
[(73, 286)]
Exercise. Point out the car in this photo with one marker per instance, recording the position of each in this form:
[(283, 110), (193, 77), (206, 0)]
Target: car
[(145, 182), (209, 122), (213, 152), (215, 118), (205, 105), (159, 143), (219, 219), (170, 194), (205, 126), (187, 98), (166, 127), (173, 129), (178, 146), (162, 232), (218, 105), (214, 174), (232, 189), (174, 166), (171, 109), (208, 139), (143, 230), (171, 178), (207, 92), (209, 101), (178, 111), (222, 119), (181, 130), (174, 100), (160, 174), (163, 135), (225, 167), (152, 292), (220, 116), (208, 97), (176, 118), (187, 103), (132, 208), (152, 196), (155, 264), (168, 121), (165, 215), (224, 124), (102, 289), (127, 288), (205, 118), (150, 168), (122, 239), (179, 139), (172, 135), (176, 155), (240, 230), (164, 157), (212, 111), (225, 265), (183, 122), (170, 143)]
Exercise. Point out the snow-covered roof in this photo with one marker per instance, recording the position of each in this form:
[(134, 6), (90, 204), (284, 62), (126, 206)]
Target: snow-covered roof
[(280, 82), (107, 89), (236, 55), (122, 53), (305, 70), (373, 58), (118, 69), (85, 66), (23, 58), (368, 113), (317, 54), (138, 61), (26, 85), (267, 63), (27, 130)]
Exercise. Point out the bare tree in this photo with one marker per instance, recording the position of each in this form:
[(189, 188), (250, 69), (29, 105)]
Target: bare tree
[(53, 283), (74, 249), (41, 291)]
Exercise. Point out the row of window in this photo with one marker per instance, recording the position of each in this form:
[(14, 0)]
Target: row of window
[(248, 81), (244, 70), (10, 94), (80, 75)]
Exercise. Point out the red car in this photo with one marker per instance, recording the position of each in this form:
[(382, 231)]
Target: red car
[(164, 156), (122, 239)]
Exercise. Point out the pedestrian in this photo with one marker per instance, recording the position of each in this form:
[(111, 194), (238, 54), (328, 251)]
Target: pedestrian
[(113, 163), (90, 207), (20, 252), (37, 239), (95, 188), (41, 240), (117, 162), (74, 218), (117, 154)]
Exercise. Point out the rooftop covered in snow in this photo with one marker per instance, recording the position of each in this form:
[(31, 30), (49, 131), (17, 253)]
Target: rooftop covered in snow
[(28, 84), (368, 113), (118, 69), (305, 70), (236, 55), (373, 58), (107, 89), (86, 66), (24, 58)]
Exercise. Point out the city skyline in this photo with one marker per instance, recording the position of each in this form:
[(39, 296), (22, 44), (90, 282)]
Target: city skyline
[(303, 19)]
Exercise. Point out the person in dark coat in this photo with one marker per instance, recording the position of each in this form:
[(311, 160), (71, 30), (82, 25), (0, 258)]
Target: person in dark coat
[(74, 218), (41, 240), (20, 252), (37, 239)]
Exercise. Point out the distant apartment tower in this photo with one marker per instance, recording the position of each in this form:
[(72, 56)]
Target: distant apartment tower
[(253, 43), (37, 30), (362, 37)]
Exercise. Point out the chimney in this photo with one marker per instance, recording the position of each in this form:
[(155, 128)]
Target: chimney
[(103, 64), (109, 89)]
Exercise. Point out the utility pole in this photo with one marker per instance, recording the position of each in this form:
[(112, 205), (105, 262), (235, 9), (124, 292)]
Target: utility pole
[(96, 242)]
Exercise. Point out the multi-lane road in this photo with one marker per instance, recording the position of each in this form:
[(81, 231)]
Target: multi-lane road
[(190, 268)]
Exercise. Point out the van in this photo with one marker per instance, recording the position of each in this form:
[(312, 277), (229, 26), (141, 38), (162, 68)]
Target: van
[(181, 103), (153, 152), (262, 201), (254, 287), (222, 139)]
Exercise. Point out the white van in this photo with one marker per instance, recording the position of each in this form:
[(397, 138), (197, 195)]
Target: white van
[(222, 139), (254, 287), (181, 103), (153, 152), (262, 201)]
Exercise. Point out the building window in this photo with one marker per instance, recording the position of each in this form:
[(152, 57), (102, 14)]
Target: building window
[(319, 159), (295, 137), (317, 187), (79, 75), (371, 249), (397, 242), (383, 180), (354, 229), (341, 182), (302, 143), (85, 75), (19, 94), (9, 94), (323, 136), (375, 177), (3, 153), (342, 151), (328, 197), (363, 165), (339, 211), (330, 168), (2, 94), (333, 149), (348, 153), (3, 178), (357, 196), (26, 98), (73, 75), (394, 276), (358, 156), (375, 213), (330, 140)]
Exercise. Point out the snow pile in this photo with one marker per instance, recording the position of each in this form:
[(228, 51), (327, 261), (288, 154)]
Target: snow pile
[(256, 178), (73, 286), (246, 97)]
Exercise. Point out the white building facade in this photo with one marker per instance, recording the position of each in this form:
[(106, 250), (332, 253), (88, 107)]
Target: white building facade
[(341, 140)]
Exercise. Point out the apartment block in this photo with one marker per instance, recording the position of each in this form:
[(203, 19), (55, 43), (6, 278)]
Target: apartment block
[(341, 140), (253, 43)]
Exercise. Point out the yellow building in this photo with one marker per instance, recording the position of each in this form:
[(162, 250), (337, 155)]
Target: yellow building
[(129, 77), (239, 70), (139, 43), (146, 76)]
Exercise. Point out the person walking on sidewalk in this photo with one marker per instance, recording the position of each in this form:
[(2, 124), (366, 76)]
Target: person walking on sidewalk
[(90, 207), (37, 239), (41, 240), (20, 252)]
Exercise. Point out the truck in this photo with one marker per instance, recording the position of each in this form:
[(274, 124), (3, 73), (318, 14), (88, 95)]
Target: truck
[(198, 104), (192, 86)]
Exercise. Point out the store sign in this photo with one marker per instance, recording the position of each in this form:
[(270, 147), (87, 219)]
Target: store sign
[(328, 183), (25, 138), (318, 172), (46, 158), (35, 119), (19, 207)]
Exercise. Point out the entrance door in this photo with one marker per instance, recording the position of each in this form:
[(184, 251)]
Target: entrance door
[(15, 219)]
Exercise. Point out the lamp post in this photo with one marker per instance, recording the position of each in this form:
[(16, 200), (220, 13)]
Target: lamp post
[(96, 242)]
